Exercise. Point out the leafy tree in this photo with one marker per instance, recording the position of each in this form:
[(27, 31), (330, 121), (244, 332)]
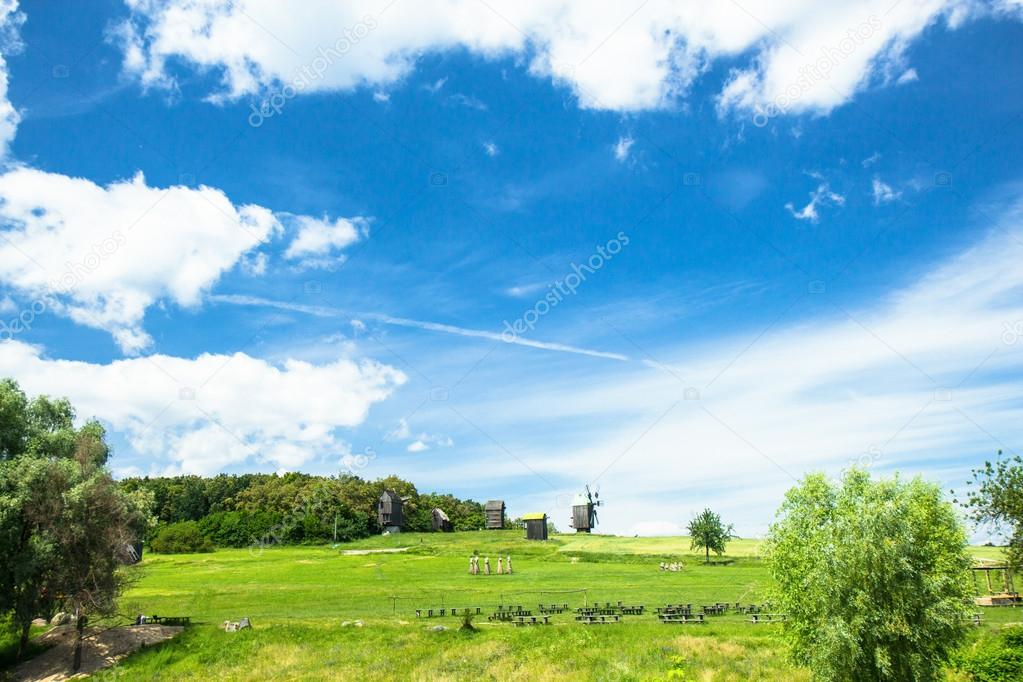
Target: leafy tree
[(708, 533), (98, 523), (872, 575), (996, 497), (13, 420), (182, 537), (64, 523), (30, 490)]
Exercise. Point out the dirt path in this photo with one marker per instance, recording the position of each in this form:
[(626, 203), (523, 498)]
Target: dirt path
[(101, 648)]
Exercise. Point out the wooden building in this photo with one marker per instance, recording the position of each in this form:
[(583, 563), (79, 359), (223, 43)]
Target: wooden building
[(583, 515), (441, 522), (389, 512), (536, 526), (495, 514), (1001, 591)]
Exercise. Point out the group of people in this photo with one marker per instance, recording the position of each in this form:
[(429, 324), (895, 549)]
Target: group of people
[(504, 566), (671, 567)]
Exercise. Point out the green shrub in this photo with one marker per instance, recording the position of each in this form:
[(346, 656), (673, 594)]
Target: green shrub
[(995, 659), (179, 538)]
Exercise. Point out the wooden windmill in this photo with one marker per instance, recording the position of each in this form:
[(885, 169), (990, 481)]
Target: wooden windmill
[(584, 511)]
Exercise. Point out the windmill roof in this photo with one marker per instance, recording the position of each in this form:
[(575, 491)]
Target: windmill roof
[(535, 516)]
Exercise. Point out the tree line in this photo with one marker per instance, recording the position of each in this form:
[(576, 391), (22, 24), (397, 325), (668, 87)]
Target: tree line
[(194, 513)]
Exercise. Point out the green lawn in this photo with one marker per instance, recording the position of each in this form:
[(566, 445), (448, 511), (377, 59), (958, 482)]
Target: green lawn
[(298, 597)]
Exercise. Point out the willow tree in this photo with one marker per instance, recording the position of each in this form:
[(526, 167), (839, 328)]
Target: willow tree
[(873, 577)]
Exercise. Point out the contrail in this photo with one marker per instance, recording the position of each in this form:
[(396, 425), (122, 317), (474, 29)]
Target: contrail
[(324, 311)]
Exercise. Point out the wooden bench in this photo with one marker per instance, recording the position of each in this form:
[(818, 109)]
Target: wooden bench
[(683, 618), (598, 620), (767, 618), (533, 620), (553, 608)]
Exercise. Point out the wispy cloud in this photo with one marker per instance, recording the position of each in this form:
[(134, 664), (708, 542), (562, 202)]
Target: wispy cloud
[(883, 192), (622, 147), (924, 379), (324, 311), (822, 196)]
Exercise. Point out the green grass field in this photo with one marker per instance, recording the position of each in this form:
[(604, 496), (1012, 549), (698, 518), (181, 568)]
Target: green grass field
[(298, 598)]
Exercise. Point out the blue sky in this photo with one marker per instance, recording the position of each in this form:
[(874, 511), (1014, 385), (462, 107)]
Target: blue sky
[(242, 258)]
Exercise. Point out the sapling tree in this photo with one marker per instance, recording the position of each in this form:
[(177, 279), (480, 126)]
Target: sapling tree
[(707, 532), (995, 497), (873, 577)]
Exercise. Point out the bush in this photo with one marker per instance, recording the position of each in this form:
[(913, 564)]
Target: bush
[(179, 538), (995, 659)]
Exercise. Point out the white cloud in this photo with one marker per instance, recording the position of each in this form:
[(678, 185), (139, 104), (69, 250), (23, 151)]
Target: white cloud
[(490, 148), (821, 54), (103, 255), (417, 446), (523, 290), (380, 96), (255, 264), (399, 432), (201, 415), (10, 43), (611, 56), (435, 86), (319, 241), (7, 305), (822, 196), (871, 160), (908, 76), (883, 192), (622, 147)]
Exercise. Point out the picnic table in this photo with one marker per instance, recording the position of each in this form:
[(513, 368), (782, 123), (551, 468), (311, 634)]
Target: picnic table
[(683, 618), (532, 620), (675, 607), (587, 619), (507, 615), (553, 608), (713, 609), (767, 618)]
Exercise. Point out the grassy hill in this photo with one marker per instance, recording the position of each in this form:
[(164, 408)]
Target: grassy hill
[(298, 598)]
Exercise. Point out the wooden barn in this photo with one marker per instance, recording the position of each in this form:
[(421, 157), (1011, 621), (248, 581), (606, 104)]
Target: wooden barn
[(441, 522), (536, 526), (389, 512), (495, 514)]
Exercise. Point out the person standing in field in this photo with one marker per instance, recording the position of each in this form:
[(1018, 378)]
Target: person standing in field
[(500, 565), (509, 565), (486, 566), (470, 565)]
